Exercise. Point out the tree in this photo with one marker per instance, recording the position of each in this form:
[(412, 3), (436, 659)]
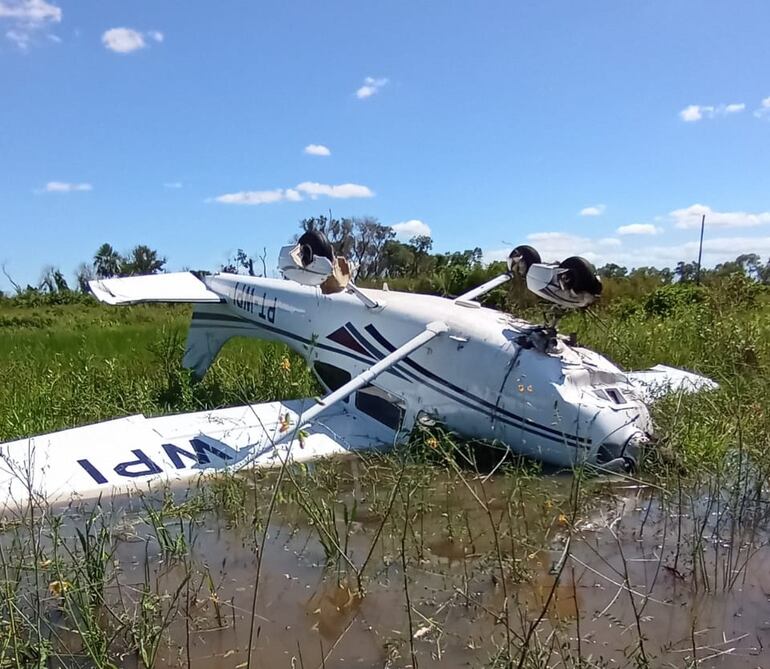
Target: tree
[(686, 271), (52, 280), (107, 262), (83, 275), (397, 259), (339, 232), (660, 276), (242, 262), (764, 272), (369, 241), (142, 260), (360, 240), (612, 271), (421, 246), (751, 264)]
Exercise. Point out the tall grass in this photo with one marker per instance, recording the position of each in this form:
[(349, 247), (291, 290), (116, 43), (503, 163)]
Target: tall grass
[(64, 375)]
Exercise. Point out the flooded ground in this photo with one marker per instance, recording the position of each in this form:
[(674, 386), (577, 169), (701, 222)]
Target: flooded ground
[(372, 564)]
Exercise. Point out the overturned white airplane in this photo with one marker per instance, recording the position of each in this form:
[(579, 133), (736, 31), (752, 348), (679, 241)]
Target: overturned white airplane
[(387, 359)]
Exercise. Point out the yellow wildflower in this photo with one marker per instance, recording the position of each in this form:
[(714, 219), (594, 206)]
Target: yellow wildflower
[(285, 423), (58, 588)]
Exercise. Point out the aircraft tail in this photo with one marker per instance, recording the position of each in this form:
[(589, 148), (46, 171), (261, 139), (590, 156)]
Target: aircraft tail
[(211, 327)]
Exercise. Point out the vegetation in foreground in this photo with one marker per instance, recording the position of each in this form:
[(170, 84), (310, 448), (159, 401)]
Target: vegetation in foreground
[(63, 594)]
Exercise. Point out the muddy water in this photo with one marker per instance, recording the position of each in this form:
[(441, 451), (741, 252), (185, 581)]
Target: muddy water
[(628, 576)]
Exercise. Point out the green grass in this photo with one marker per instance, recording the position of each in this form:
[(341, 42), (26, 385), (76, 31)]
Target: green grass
[(722, 332), (85, 364)]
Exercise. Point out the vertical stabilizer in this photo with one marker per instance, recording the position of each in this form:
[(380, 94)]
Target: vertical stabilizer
[(212, 325)]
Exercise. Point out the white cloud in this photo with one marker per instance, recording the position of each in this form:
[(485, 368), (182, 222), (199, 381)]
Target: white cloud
[(556, 246), (253, 197), (126, 40), (310, 189), (639, 229), (63, 187), (317, 150), (172, 184), (595, 210), (693, 113), (651, 245), (123, 40), (411, 228), (29, 10), (19, 37), (690, 217), (344, 191), (715, 250), (27, 18), (370, 87), (764, 108)]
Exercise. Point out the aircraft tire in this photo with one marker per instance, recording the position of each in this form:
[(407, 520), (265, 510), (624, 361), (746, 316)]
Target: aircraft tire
[(523, 256), (314, 243), (581, 276)]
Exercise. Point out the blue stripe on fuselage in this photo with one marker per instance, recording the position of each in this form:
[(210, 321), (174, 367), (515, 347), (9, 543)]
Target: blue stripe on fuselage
[(493, 412)]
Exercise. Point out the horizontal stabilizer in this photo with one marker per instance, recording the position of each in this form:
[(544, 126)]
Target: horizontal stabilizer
[(661, 380), (173, 287)]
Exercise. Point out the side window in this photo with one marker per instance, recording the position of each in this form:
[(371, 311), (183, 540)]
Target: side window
[(332, 377), (379, 405)]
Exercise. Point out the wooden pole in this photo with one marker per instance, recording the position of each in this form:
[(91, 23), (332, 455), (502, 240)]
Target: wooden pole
[(700, 248)]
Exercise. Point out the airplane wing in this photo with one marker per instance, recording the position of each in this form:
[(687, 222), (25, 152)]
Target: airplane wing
[(130, 454), (172, 287), (661, 380)]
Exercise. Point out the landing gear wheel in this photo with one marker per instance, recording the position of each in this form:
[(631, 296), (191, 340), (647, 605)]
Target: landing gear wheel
[(314, 243), (581, 276), (522, 258)]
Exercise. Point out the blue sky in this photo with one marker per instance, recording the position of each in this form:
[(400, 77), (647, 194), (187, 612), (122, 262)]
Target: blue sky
[(183, 125)]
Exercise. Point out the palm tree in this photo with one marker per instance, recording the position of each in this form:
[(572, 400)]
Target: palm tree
[(143, 260), (107, 262)]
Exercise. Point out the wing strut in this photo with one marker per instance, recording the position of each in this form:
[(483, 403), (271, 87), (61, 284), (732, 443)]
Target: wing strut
[(484, 288), (431, 331)]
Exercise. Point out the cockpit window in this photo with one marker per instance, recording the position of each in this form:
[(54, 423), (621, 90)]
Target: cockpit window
[(332, 377), (381, 406)]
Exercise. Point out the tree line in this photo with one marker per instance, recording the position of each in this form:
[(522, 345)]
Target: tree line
[(376, 256), (106, 263)]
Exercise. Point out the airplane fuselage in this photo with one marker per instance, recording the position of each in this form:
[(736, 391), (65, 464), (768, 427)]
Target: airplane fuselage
[(490, 377)]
